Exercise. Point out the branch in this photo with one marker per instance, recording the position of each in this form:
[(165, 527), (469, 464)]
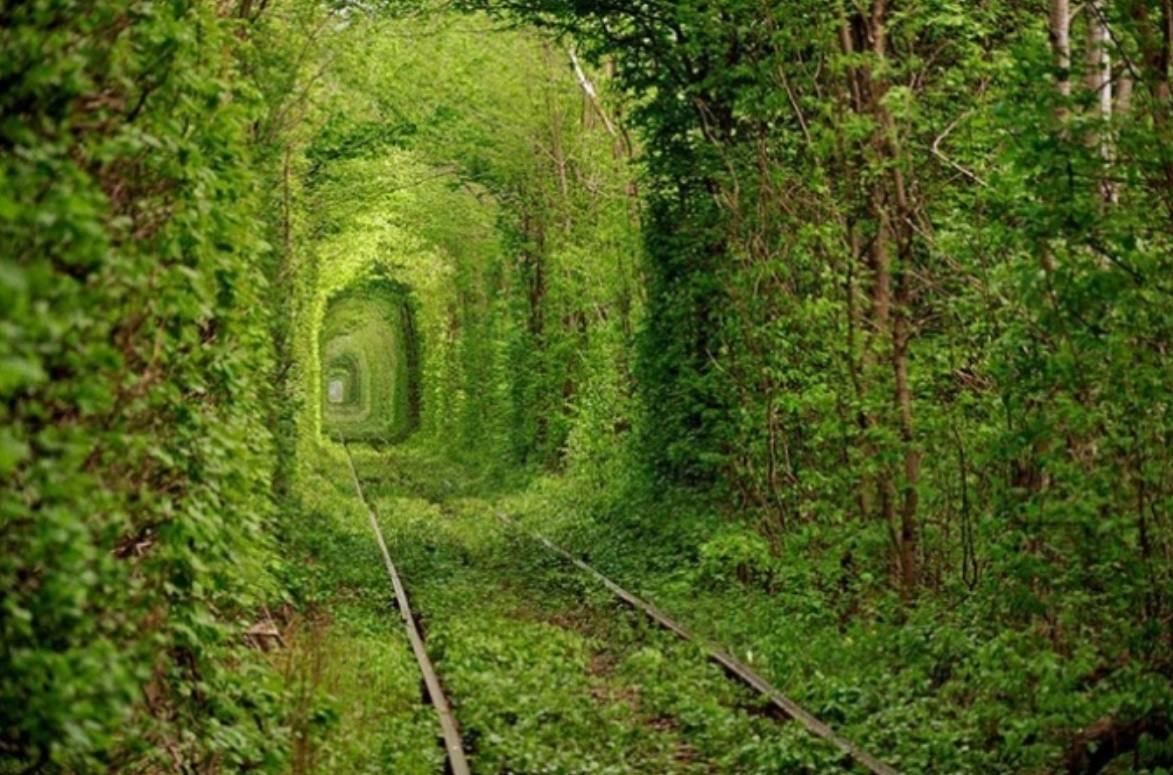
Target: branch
[(589, 89), (936, 148)]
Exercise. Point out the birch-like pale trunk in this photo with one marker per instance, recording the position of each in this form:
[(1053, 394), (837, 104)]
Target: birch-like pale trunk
[(1061, 43), (1059, 26), (1098, 81), (1099, 62)]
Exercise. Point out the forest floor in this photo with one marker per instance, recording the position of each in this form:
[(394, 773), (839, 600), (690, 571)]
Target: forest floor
[(546, 671)]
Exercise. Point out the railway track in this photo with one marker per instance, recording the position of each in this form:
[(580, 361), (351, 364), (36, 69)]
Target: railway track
[(734, 667), (456, 757), (453, 744)]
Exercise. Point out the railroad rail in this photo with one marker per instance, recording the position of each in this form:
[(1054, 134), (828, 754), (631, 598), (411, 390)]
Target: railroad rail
[(453, 743), (732, 665)]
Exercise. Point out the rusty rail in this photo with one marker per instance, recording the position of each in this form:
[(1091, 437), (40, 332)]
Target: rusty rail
[(732, 666), (453, 744)]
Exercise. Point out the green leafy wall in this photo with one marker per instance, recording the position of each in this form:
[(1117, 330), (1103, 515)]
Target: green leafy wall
[(135, 459)]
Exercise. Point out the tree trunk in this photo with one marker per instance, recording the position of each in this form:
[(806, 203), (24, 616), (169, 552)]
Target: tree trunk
[(909, 527), (1099, 64), (1061, 44), (888, 256)]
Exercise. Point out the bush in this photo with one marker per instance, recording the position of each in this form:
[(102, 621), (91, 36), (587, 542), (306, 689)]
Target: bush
[(736, 555)]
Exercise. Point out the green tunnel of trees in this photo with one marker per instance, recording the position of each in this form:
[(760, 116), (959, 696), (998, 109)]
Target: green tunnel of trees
[(844, 324), (368, 346)]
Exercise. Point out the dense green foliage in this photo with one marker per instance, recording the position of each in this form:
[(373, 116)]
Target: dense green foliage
[(908, 299), (881, 242), (134, 459), (840, 329)]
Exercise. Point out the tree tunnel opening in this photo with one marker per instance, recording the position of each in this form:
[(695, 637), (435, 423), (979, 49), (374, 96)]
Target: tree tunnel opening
[(370, 363)]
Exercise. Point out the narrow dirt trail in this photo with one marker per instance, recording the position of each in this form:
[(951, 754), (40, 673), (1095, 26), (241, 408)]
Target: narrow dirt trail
[(545, 671)]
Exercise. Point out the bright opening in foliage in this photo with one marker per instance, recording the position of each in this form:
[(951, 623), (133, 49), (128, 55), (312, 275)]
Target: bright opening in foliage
[(370, 363)]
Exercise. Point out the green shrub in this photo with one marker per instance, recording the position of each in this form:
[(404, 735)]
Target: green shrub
[(736, 555)]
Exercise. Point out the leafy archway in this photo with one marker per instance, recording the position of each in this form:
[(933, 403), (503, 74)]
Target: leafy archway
[(371, 360)]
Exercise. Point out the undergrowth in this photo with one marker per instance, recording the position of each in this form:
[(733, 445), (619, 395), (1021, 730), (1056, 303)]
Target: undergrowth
[(932, 687)]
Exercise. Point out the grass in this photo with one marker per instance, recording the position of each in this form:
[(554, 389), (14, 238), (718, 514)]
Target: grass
[(355, 686), (926, 688), (546, 671)]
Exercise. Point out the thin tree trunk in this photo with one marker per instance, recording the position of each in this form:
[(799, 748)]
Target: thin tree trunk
[(1061, 44), (1123, 95), (1099, 64), (1098, 79), (893, 232), (591, 94), (909, 527), (1165, 49)]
